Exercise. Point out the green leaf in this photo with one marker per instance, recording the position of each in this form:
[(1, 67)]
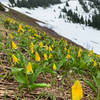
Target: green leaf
[(48, 70), (98, 80), (39, 85), (19, 74), (98, 74), (90, 85)]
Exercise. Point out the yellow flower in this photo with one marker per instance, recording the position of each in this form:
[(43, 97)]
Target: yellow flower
[(52, 45), (14, 45), (39, 36), (95, 64), (44, 33), (30, 37), (50, 55), (29, 68), (90, 53), (77, 92), (65, 49), (10, 35), (91, 60), (45, 57), (37, 57), (68, 56), (47, 47), (41, 44), (68, 50), (79, 52), (36, 35), (54, 67), (50, 49), (15, 59), (98, 56), (32, 47), (65, 42), (20, 28)]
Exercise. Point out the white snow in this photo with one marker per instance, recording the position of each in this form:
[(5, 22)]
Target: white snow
[(6, 9), (87, 37)]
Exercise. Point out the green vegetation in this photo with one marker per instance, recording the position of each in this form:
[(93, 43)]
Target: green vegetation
[(31, 53), (33, 3), (1, 7)]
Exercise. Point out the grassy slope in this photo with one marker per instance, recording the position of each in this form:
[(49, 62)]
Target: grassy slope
[(61, 89)]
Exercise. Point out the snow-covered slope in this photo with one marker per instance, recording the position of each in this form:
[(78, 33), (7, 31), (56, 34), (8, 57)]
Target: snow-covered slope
[(76, 7), (85, 36)]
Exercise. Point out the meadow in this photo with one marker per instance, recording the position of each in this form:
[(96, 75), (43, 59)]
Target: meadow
[(34, 57)]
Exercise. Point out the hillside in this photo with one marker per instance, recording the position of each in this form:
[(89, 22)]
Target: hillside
[(38, 64), (76, 24), (54, 62)]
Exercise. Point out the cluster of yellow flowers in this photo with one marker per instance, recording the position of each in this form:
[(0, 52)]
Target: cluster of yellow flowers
[(10, 20), (94, 62), (77, 92), (32, 47), (91, 59)]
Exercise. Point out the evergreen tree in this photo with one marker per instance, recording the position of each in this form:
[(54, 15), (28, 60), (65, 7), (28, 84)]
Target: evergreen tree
[(12, 2), (1, 7), (36, 3)]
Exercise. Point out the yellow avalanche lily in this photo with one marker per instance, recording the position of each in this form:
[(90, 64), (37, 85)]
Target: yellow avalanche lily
[(10, 35), (54, 67), (50, 49), (46, 47), (37, 57), (91, 60), (15, 59), (68, 50), (90, 53), (20, 28), (50, 55), (32, 47), (77, 92), (95, 64), (41, 45), (65, 49), (14, 45), (68, 56), (45, 57), (29, 68), (79, 52), (30, 37)]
